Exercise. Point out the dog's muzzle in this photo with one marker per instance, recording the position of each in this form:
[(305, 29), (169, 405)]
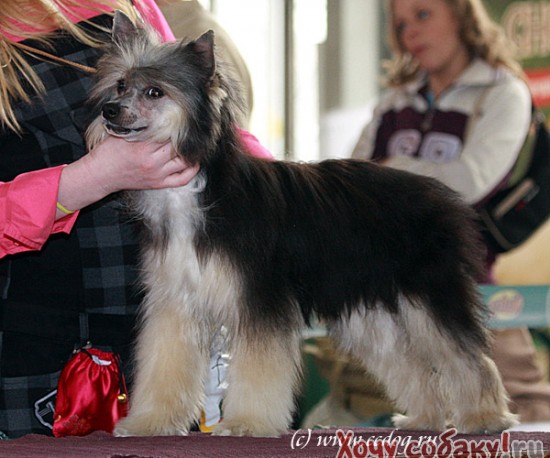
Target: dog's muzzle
[(112, 115)]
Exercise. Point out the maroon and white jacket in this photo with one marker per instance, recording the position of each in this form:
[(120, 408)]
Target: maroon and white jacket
[(409, 131)]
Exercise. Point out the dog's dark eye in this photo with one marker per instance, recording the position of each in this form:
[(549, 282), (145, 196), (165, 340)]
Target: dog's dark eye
[(154, 92), (121, 86)]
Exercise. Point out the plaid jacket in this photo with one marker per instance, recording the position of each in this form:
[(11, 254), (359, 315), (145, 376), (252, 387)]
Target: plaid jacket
[(80, 286)]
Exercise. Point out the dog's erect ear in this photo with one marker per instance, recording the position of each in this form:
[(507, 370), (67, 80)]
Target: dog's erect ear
[(123, 28), (204, 47)]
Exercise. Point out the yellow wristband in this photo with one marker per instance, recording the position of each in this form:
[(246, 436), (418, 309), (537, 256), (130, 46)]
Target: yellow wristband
[(62, 209)]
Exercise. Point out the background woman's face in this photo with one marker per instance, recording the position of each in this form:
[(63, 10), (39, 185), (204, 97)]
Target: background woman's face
[(429, 31)]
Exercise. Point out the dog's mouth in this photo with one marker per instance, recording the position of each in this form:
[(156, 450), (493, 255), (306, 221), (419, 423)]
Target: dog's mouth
[(120, 131)]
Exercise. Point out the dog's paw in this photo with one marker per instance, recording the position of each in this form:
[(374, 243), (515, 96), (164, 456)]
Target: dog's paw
[(486, 423), (146, 425), (243, 428), (418, 423)]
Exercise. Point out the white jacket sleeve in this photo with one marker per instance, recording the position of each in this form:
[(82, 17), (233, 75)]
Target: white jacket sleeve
[(491, 148)]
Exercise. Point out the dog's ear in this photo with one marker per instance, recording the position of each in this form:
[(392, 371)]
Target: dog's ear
[(123, 28), (204, 48)]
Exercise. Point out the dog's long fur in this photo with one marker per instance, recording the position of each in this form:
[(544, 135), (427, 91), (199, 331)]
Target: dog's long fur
[(388, 259)]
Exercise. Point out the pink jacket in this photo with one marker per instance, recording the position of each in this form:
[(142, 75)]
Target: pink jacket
[(28, 203)]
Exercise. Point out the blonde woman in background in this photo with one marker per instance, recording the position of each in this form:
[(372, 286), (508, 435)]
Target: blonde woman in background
[(68, 267), (449, 61)]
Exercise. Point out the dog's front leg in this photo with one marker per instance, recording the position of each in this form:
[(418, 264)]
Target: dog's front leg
[(171, 366), (263, 375)]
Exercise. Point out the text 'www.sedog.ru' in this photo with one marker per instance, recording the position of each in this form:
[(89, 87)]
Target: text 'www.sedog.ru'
[(443, 445)]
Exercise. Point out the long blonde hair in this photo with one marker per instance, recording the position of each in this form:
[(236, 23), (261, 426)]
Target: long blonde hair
[(482, 36), (36, 19)]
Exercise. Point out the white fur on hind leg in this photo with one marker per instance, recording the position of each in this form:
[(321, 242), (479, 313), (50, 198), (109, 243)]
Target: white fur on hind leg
[(430, 378), (481, 406), (378, 340)]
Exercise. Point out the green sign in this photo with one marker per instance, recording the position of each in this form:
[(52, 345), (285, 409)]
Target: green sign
[(527, 24)]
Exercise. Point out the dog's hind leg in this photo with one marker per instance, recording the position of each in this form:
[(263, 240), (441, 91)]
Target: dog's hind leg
[(378, 340), (171, 367), (466, 378), (263, 375), (479, 402), (430, 376)]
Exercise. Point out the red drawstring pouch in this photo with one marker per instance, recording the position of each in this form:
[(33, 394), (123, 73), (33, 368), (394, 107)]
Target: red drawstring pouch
[(91, 394)]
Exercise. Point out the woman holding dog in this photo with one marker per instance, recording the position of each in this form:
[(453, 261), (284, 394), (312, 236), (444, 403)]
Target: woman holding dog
[(458, 109), (31, 207), (81, 284)]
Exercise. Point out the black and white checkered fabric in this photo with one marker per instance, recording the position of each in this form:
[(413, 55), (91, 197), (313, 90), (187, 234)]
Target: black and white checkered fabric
[(80, 286)]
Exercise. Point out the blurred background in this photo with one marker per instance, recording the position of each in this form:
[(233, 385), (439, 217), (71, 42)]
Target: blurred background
[(316, 65)]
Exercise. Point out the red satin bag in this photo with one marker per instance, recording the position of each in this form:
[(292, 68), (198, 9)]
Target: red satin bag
[(91, 394)]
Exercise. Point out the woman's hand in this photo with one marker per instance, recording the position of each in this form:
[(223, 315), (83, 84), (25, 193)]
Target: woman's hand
[(116, 165)]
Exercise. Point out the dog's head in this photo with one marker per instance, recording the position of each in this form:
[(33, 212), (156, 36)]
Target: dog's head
[(148, 90)]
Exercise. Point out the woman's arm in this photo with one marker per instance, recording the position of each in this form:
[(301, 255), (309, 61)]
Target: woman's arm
[(27, 211), (28, 205), (252, 145)]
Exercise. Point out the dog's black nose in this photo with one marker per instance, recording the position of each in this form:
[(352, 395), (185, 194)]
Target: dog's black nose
[(110, 110)]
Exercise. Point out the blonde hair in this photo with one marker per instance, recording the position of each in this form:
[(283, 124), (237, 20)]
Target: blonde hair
[(36, 19), (482, 37)]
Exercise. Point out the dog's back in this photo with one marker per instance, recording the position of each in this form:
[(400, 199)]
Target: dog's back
[(342, 234)]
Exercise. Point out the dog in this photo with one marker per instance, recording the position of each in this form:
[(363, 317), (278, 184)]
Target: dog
[(386, 259)]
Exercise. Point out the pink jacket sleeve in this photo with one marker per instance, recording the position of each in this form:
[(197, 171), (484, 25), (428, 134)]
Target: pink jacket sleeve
[(27, 211), (151, 13), (252, 145)]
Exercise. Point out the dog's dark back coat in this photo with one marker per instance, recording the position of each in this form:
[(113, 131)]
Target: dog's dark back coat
[(330, 236)]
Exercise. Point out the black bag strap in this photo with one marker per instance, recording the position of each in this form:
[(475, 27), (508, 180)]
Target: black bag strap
[(526, 155)]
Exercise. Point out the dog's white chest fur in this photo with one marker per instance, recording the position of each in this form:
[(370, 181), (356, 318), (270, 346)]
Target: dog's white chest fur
[(174, 207), (172, 273)]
